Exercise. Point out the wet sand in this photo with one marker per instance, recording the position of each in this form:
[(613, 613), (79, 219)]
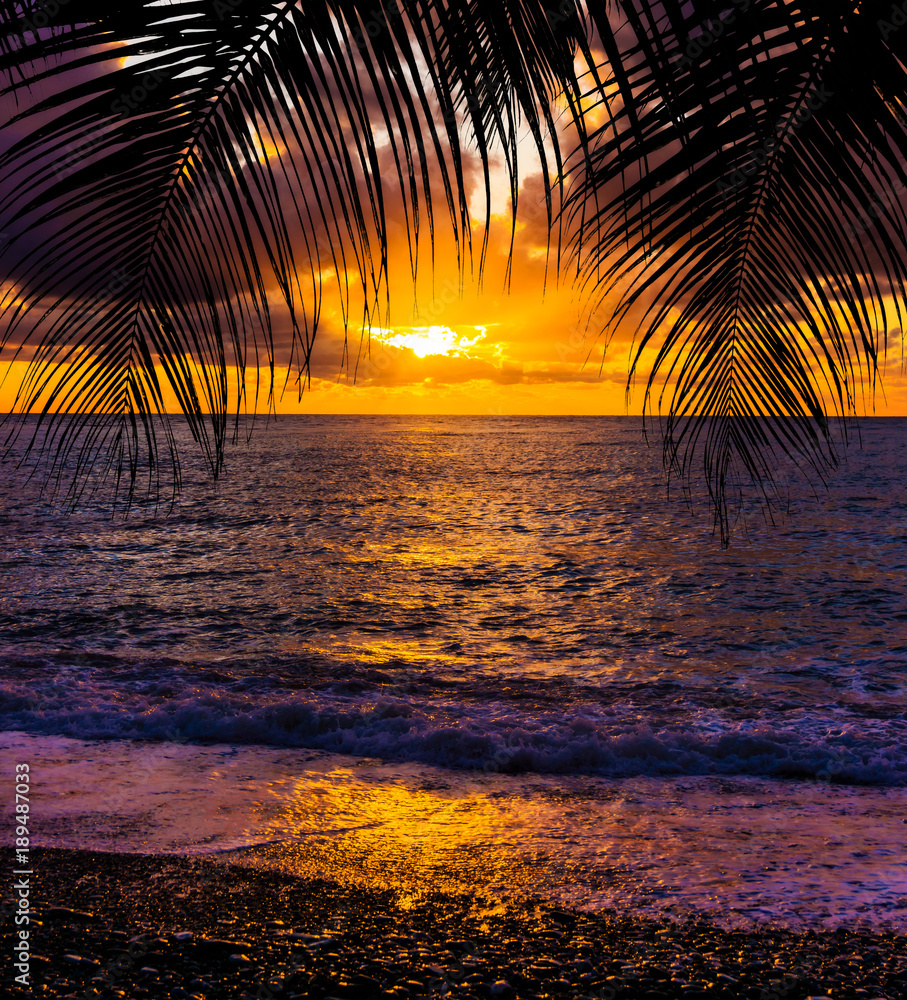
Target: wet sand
[(132, 926)]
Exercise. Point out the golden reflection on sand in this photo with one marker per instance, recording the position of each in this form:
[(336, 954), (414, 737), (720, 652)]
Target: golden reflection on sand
[(409, 839)]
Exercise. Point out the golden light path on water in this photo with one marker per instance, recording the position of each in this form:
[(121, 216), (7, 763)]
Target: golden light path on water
[(738, 849)]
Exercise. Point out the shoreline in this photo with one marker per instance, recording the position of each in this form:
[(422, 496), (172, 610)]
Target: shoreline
[(133, 926)]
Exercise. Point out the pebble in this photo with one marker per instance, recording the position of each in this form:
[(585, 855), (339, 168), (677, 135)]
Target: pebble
[(545, 968), (64, 913), (319, 942), (519, 955), (223, 944)]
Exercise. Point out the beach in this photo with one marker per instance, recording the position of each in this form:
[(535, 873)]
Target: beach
[(143, 926)]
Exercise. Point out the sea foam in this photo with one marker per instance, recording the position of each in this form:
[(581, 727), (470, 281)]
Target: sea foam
[(460, 730)]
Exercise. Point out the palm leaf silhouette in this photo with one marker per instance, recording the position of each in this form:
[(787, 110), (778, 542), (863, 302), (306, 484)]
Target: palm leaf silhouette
[(748, 205), (162, 163)]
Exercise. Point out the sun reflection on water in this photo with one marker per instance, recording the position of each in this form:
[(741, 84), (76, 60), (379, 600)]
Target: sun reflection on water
[(394, 836)]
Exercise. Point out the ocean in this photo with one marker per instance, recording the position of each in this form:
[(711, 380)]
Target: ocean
[(483, 654)]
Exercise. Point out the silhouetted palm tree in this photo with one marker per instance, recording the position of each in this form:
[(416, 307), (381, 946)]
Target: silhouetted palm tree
[(162, 163)]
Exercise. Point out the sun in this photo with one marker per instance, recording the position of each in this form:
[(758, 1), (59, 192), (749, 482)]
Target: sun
[(429, 340)]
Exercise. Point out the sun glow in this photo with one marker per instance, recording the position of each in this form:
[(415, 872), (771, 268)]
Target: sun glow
[(428, 340)]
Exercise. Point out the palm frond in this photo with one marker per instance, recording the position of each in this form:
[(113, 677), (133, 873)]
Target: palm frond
[(164, 168), (749, 203)]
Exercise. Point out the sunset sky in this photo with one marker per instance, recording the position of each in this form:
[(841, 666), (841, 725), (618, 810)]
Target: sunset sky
[(485, 349), (482, 349), (529, 350), (488, 350)]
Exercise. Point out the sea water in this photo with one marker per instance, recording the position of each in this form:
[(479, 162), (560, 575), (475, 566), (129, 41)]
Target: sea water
[(477, 654)]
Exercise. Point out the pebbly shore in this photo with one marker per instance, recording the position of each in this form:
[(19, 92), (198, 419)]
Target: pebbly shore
[(136, 926)]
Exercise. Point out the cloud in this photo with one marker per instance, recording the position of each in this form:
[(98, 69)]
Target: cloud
[(429, 340)]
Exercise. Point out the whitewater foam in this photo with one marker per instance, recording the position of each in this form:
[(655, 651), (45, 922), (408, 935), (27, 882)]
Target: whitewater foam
[(459, 727)]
